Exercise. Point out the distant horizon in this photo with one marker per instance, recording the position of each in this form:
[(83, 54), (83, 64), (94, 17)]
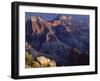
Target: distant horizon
[(52, 16)]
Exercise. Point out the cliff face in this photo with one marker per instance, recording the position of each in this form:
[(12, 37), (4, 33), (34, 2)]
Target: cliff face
[(58, 38), (39, 24)]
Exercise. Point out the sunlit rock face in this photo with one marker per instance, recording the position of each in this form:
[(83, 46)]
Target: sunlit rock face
[(46, 62), (37, 28), (39, 24), (34, 19), (40, 61), (36, 59)]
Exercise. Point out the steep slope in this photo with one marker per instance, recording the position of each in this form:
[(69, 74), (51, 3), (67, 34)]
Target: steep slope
[(57, 49)]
